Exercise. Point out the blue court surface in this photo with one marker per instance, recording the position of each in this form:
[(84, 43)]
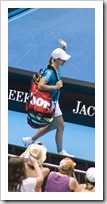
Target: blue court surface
[(32, 36), (78, 140)]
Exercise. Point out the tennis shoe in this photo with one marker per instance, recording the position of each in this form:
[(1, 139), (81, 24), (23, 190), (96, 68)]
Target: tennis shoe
[(63, 152), (27, 141)]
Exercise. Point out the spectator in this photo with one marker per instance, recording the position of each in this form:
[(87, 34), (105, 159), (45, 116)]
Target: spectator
[(38, 152), (89, 185), (64, 180), (17, 177)]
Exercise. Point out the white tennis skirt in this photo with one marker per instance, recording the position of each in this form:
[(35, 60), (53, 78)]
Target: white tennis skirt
[(58, 111)]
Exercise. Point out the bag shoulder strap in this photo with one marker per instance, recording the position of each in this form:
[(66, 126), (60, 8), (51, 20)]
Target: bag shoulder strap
[(50, 67), (36, 77)]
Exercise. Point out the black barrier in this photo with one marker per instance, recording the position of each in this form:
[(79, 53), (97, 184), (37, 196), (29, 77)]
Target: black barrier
[(77, 99)]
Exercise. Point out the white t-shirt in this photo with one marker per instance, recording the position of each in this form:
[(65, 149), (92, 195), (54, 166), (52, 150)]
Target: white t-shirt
[(28, 184)]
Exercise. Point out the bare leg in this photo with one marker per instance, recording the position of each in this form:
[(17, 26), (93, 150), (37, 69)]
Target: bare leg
[(43, 131), (57, 124)]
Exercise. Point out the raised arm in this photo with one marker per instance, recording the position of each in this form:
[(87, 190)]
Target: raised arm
[(38, 173)]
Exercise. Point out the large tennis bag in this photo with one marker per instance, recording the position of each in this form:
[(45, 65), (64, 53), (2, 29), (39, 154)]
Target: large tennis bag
[(39, 105)]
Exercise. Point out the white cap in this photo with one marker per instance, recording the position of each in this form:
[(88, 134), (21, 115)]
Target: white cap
[(90, 174), (60, 53)]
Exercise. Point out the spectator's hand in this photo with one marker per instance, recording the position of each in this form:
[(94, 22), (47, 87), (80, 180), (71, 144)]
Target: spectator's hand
[(32, 161)]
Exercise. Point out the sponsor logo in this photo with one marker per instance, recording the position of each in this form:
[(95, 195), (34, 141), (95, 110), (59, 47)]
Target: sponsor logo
[(18, 96), (21, 96), (82, 110), (39, 102)]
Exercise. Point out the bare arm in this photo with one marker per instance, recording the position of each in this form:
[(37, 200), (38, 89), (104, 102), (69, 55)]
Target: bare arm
[(45, 87), (79, 188), (72, 184), (38, 173), (74, 176), (45, 171)]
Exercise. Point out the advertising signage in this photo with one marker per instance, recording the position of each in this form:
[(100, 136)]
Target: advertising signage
[(77, 99)]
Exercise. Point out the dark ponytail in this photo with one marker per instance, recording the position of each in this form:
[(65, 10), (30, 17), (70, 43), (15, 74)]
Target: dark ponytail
[(50, 60)]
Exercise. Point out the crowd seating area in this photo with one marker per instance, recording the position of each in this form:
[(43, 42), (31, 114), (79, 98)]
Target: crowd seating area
[(53, 160)]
